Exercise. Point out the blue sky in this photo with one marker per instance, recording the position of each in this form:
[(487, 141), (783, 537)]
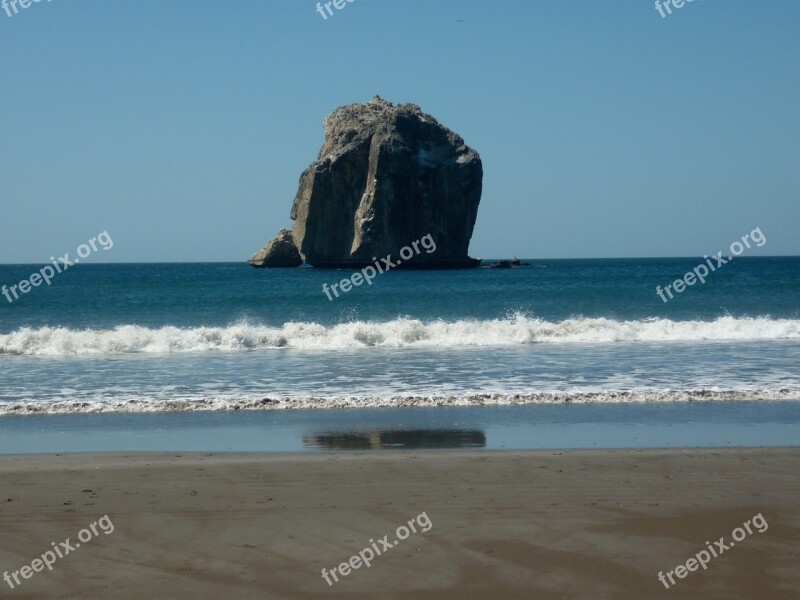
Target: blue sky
[(605, 130)]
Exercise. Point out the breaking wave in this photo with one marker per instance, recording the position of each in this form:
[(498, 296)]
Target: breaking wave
[(397, 333)]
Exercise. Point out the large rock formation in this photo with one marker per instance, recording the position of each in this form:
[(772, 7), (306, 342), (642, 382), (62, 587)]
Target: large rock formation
[(280, 252), (385, 177)]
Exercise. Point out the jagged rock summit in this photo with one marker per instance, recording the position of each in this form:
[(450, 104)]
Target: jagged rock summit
[(386, 176)]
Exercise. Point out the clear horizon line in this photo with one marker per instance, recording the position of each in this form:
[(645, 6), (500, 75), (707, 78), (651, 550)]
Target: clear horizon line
[(244, 262)]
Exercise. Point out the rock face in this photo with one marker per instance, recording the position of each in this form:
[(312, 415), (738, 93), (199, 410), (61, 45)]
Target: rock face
[(280, 252), (385, 177)]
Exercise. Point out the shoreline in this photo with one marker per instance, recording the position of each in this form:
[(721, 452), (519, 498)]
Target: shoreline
[(544, 524)]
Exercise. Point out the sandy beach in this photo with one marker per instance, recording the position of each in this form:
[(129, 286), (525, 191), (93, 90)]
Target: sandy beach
[(546, 524)]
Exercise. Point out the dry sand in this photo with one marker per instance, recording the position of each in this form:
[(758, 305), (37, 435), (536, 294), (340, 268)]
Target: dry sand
[(554, 524)]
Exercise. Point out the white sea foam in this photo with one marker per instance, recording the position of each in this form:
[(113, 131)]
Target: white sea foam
[(397, 333), (139, 404)]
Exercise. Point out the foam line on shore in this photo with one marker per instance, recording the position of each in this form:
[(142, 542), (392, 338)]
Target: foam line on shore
[(190, 404)]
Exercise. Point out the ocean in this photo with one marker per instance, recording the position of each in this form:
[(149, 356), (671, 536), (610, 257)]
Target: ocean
[(152, 337), (167, 338)]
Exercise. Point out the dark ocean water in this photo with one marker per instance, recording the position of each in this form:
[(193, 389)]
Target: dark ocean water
[(155, 337)]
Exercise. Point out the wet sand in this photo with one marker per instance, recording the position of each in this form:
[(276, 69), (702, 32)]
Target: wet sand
[(539, 524)]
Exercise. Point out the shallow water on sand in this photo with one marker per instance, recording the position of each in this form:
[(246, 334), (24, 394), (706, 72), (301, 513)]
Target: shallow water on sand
[(669, 425)]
